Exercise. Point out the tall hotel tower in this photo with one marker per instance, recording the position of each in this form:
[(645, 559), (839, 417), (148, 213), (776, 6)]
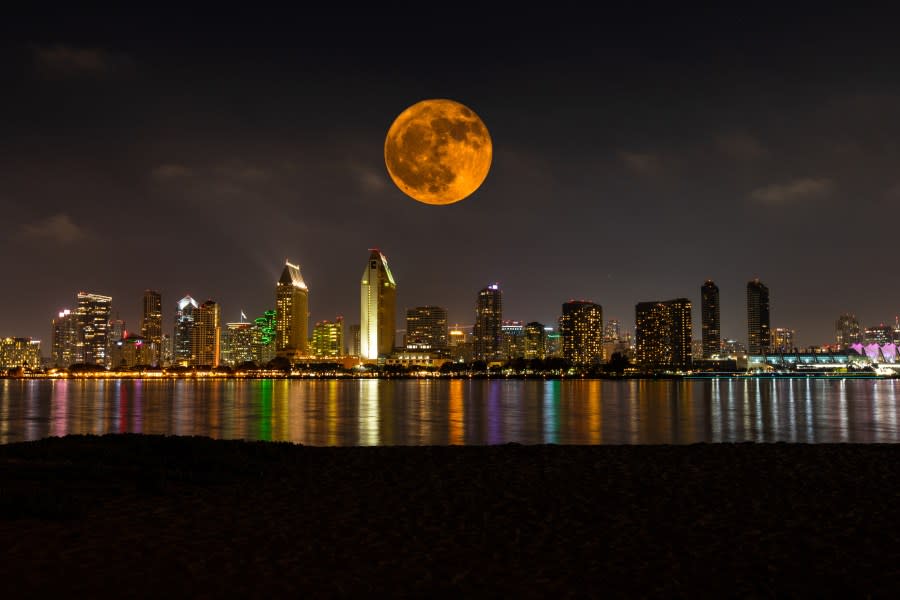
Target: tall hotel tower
[(758, 339), (291, 313), (581, 327), (488, 331), (378, 297), (709, 319)]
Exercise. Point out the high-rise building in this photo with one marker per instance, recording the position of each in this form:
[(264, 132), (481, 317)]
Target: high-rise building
[(378, 308), (184, 326), (93, 323), (426, 328), (535, 341), (205, 336), (165, 351), (291, 313), (611, 332), (64, 339), (328, 338), (264, 338), (151, 320), (513, 339), (784, 340), (553, 343), (353, 340), (880, 334), (115, 333), (711, 333), (581, 328), (488, 332), (663, 334), (237, 343), (758, 335), (847, 331), (18, 352), (132, 351), (460, 344)]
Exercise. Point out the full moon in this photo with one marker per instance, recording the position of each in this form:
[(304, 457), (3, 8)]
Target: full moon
[(438, 151)]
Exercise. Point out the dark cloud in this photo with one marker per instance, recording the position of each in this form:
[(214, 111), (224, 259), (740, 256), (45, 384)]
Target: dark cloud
[(797, 190), (66, 61), (58, 229)]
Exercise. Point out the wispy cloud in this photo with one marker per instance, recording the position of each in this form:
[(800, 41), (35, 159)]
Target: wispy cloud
[(59, 228), (67, 61), (368, 178), (641, 163), (171, 171), (740, 146), (794, 191)]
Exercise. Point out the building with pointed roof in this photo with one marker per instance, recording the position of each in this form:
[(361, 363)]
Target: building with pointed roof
[(291, 313), (378, 306)]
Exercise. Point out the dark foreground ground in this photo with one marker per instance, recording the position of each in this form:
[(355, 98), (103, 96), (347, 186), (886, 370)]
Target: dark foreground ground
[(153, 516)]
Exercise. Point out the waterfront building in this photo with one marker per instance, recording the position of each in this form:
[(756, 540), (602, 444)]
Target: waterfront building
[(553, 345), (378, 297), (513, 339), (353, 340), (581, 328), (64, 339), (291, 313), (535, 341), (93, 326), (663, 334), (151, 321), (847, 331), (132, 351), (165, 351), (205, 349), (461, 348), (784, 340), (18, 352), (184, 325), (328, 338), (487, 333), (711, 332), (758, 335), (264, 335), (426, 328), (237, 343), (115, 332), (611, 332), (879, 334)]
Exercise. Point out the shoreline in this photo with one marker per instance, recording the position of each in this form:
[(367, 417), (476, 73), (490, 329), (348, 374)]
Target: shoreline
[(152, 515), (645, 377)]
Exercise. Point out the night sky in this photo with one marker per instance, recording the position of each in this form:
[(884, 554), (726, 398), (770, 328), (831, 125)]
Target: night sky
[(635, 156)]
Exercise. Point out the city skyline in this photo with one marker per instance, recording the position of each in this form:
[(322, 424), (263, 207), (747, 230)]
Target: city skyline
[(633, 158)]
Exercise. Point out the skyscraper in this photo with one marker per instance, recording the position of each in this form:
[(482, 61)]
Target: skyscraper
[(426, 328), (291, 313), (488, 332), (711, 333), (93, 323), (205, 336), (663, 334), (151, 321), (378, 309), (581, 328), (237, 344), (64, 340), (328, 338), (513, 339), (784, 340), (758, 337), (535, 341), (353, 340), (184, 325), (847, 331)]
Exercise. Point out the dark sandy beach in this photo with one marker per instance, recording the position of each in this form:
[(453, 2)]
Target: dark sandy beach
[(133, 515)]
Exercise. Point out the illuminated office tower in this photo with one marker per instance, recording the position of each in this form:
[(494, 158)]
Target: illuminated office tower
[(880, 334), (611, 332), (711, 334), (93, 323), (328, 338), (512, 339), (426, 328), (552, 343), (18, 352), (847, 331), (184, 325), (264, 337), (205, 336), (378, 296), (115, 333), (488, 330), (151, 321), (237, 343), (165, 351), (64, 340), (353, 340), (758, 337), (784, 340), (581, 328), (291, 313), (535, 341), (663, 334)]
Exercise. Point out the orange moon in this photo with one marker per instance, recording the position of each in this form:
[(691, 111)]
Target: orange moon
[(438, 151)]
